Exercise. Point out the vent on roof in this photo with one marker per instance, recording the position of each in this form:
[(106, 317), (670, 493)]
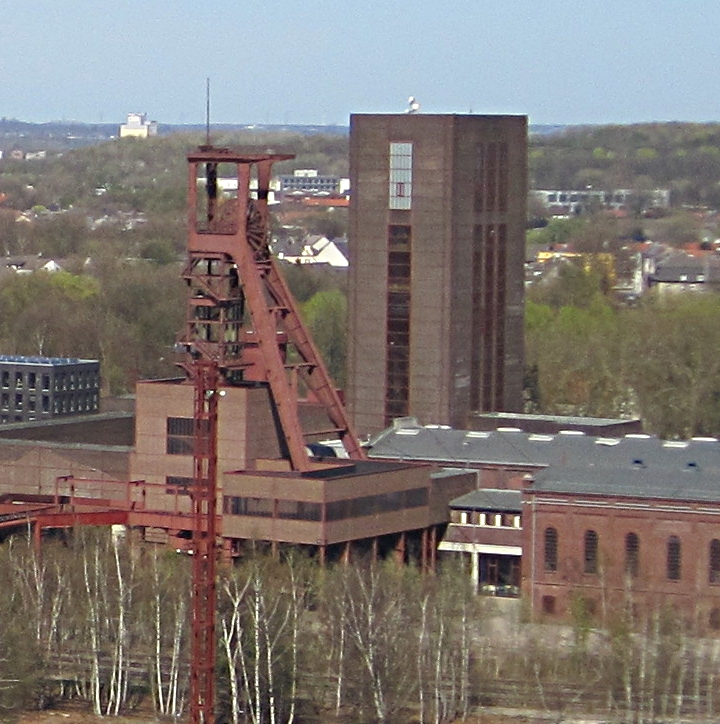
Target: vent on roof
[(607, 441), (408, 431), (578, 433), (675, 443), (509, 429), (536, 437), (479, 434), (638, 463), (692, 465), (402, 422)]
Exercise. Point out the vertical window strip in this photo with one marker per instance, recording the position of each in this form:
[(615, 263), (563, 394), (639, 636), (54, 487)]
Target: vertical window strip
[(400, 189), (714, 572), (551, 549), (397, 333), (591, 552), (674, 558)]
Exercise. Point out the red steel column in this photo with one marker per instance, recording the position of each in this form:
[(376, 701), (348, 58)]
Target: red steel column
[(204, 498)]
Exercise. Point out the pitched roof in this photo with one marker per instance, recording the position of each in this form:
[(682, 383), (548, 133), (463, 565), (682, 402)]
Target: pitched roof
[(514, 448), (691, 482)]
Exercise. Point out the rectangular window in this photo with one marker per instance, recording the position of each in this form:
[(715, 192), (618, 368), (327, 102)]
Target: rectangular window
[(376, 504), (397, 333), (180, 432), (400, 190), (674, 558), (178, 484)]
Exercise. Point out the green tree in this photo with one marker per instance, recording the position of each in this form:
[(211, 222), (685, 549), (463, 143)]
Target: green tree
[(578, 357), (326, 315), (674, 368)]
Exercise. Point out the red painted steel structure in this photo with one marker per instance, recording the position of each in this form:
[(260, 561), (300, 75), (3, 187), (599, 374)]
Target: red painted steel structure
[(241, 314), (242, 328), (204, 497)]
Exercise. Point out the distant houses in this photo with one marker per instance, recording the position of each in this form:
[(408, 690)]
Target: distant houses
[(313, 249)]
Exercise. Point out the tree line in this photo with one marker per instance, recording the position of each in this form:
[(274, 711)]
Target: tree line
[(149, 175), (656, 360), (103, 619), (684, 157)]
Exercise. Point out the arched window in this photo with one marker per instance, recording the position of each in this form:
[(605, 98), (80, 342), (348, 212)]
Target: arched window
[(632, 555), (714, 569), (674, 558), (591, 552), (551, 549)]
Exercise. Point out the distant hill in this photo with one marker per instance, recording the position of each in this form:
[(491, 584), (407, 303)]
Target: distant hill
[(682, 157), (62, 135)]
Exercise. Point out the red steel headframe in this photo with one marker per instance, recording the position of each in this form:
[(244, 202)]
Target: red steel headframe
[(241, 322), (241, 314)]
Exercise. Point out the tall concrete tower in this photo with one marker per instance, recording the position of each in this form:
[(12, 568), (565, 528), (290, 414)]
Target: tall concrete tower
[(437, 239)]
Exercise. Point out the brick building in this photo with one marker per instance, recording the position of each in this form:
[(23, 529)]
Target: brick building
[(610, 524), (437, 244), (642, 536)]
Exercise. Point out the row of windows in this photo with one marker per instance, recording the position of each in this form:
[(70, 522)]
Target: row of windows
[(487, 518), (76, 403), (673, 555), (61, 381), (337, 510)]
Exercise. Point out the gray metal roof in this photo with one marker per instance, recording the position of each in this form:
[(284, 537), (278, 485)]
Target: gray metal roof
[(578, 462), (489, 499), (689, 484)]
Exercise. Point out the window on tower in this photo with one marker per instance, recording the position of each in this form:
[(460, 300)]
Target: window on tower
[(400, 191)]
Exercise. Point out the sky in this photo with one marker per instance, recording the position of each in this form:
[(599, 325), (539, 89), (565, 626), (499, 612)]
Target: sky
[(316, 62)]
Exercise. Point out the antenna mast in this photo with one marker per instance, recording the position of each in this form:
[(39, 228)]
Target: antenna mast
[(207, 111)]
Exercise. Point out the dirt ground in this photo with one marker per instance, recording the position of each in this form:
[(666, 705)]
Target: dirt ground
[(80, 715)]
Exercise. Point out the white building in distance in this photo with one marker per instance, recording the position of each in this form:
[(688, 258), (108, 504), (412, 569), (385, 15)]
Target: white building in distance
[(138, 126)]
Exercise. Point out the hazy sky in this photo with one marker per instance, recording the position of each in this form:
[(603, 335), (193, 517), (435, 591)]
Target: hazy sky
[(303, 61)]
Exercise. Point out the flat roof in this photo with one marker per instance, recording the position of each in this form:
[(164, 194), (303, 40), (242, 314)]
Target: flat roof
[(489, 499), (46, 361)]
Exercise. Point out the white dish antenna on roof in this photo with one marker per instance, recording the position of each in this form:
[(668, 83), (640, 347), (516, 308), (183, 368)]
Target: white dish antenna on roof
[(413, 105)]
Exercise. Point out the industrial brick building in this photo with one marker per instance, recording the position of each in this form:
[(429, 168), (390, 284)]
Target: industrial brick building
[(627, 538), (606, 525), (437, 224), (224, 453)]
